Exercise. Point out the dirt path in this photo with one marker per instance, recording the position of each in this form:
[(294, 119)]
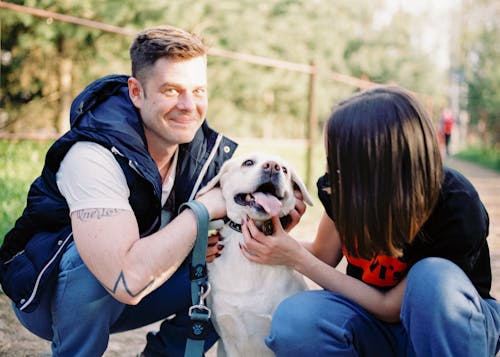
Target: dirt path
[(487, 183), (15, 341)]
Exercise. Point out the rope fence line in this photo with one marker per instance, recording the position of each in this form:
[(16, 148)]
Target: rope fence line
[(310, 69), (66, 18), (29, 136), (259, 60)]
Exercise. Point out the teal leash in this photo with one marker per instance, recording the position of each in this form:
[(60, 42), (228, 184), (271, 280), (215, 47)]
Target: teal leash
[(200, 287)]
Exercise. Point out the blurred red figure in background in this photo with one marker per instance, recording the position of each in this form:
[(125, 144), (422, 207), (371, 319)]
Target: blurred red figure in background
[(446, 123)]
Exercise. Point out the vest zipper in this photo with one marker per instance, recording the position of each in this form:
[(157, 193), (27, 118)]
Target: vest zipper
[(133, 166), (62, 244), (204, 169)]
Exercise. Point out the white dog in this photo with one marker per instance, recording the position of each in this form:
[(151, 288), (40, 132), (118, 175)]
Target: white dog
[(244, 294)]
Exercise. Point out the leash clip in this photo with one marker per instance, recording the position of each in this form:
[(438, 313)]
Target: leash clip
[(201, 306)]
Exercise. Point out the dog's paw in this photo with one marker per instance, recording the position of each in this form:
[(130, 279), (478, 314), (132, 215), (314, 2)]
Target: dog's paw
[(215, 225)]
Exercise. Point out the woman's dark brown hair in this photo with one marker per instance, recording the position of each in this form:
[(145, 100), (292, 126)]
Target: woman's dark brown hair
[(385, 170)]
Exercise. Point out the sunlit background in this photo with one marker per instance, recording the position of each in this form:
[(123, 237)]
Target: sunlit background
[(445, 51), (276, 68)]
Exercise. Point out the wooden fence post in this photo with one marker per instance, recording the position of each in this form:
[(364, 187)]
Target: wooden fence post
[(312, 124)]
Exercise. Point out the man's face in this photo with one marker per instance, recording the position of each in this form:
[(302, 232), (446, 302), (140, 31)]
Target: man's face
[(172, 101)]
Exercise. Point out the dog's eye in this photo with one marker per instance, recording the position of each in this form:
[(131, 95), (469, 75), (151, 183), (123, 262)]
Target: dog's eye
[(248, 163), (285, 170)]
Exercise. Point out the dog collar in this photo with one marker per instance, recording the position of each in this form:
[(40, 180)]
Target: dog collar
[(233, 225), (267, 228)]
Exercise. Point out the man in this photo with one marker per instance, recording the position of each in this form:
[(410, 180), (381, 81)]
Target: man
[(100, 247)]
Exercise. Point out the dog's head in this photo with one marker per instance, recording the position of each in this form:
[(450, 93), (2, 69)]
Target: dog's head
[(259, 186)]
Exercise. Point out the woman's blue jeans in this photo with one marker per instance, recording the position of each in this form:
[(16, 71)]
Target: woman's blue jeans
[(442, 315), (79, 314)]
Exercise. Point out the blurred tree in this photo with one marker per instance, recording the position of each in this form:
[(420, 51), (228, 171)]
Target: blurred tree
[(340, 36), (480, 60), (388, 55), (46, 62), (245, 99)]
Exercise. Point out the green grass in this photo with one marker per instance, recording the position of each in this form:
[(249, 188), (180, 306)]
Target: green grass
[(487, 157), (20, 163)]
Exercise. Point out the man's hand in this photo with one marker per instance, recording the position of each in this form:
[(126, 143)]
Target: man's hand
[(214, 248), (215, 203)]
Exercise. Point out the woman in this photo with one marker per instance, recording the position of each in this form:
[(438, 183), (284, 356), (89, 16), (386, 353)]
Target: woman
[(414, 236)]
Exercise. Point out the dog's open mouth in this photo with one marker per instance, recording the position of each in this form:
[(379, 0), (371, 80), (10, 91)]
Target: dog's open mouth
[(265, 198)]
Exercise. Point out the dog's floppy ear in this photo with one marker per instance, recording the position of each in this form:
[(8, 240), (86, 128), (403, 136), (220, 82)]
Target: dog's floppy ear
[(211, 184), (214, 182), (302, 187)]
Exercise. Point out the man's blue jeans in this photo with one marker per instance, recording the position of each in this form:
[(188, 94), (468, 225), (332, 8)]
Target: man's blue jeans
[(79, 314), (442, 315)]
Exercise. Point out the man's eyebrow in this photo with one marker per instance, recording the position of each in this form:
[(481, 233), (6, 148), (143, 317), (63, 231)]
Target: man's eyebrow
[(178, 85), (170, 84)]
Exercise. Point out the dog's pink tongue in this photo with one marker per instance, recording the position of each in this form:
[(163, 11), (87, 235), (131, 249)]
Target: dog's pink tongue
[(270, 203)]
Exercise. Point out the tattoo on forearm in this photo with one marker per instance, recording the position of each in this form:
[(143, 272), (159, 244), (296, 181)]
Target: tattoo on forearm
[(96, 213), (121, 279)]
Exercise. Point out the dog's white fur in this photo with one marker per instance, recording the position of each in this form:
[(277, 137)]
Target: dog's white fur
[(244, 294)]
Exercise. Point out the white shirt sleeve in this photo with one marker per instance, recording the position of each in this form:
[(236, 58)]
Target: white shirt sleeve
[(90, 177)]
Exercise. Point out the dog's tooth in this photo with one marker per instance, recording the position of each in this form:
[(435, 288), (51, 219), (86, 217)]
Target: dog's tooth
[(248, 197)]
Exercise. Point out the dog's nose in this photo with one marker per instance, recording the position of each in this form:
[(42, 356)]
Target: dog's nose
[(271, 167)]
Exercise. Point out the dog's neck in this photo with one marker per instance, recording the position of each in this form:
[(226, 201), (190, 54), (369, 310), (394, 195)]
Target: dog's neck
[(266, 227), (233, 225)]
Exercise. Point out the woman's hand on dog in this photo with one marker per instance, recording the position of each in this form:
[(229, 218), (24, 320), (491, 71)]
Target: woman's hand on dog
[(277, 249)]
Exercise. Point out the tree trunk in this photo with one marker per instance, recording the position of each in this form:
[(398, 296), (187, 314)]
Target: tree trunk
[(65, 83)]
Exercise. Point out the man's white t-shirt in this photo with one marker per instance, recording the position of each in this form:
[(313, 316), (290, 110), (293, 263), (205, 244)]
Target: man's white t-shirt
[(90, 177)]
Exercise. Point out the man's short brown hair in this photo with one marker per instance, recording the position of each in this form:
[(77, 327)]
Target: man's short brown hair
[(163, 41)]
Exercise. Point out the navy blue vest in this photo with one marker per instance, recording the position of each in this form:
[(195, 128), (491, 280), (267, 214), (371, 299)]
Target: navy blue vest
[(102, 113)]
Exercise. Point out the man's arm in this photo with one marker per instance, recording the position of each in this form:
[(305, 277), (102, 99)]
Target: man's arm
[(105, 228), (129, 267)]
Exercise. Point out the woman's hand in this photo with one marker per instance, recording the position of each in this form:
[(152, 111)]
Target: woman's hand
[(280, 248), (277, 249)]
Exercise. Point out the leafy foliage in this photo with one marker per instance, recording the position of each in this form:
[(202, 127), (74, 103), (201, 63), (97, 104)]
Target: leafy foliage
[(481, 64), (487, 157), (34, 50), (246, 100)]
